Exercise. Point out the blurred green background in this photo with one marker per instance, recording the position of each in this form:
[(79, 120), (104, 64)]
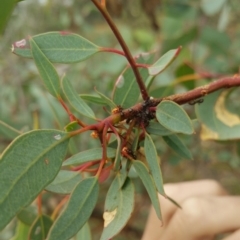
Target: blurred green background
[(208, 31)]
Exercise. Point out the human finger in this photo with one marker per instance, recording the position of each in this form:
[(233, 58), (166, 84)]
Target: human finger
[(204, 217), (234, 236), (179, 192)]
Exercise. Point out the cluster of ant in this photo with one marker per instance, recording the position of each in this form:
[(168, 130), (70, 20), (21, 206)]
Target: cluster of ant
[(141, 116)]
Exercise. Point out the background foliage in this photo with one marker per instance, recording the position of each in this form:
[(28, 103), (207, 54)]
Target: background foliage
[(209, 32)]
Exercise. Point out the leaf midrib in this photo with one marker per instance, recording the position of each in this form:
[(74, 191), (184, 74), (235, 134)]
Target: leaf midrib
[(31, 164), (77, 213)]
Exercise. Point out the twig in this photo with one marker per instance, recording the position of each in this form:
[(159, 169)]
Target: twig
[(202, 91), (125, 48)]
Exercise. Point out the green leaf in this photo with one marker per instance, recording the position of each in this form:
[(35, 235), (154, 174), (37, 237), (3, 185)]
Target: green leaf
[(149, 184), (212, 7), (157, 129), (107, 100), (174, 202), (173, 117), (59, 47), (174, 142), (6, 8), (118, 207), (64, 182), (93, 154), (126, 92), (47, 71), (163, 62), (218, 42), (79, 208), (224, 18), (183, 40), (71, 126), (154, 163), (28, 215), (93, 99), (84, 233), (40, 228), (218, 122), (28, 165), (21, 231), (162, 91), (75, 100), (181, 72), (118, 157), (8, 131)]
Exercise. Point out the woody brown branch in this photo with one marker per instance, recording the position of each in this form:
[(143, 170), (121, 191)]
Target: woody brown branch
[(182, 98), (125, 48), (202, 91), (186, 97)]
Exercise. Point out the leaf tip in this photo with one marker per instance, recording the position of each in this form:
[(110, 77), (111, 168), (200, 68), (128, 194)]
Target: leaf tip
[(178, 51), (19, 44)]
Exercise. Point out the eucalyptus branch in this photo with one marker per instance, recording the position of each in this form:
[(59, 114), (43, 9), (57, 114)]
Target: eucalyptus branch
[(125, 48), (139, 110), (202, 91)]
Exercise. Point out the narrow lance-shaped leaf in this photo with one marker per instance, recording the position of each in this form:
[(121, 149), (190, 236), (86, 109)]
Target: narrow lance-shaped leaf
[(59, 47), (154, 163), (177, 146), (64, 182), (92, 99), (173, 117), (88, 156), (40, 228), (118, 156), (118, 206), (107, 100), (28, 165), (75, 100), (164, 62), (46, 70), (174, 202), (149, 184), (78, 210)]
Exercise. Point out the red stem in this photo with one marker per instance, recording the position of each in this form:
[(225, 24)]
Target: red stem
[(125, 48), (142, 65), (71, 116), (58, 207), (84, 166), (112, 50), (104, 147), (39, 203)]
